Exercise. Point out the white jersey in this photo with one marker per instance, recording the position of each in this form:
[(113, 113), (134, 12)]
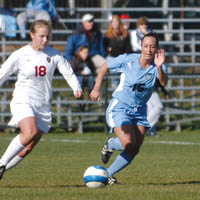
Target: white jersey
[(35, 70)]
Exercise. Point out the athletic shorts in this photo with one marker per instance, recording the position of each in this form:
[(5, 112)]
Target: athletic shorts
[(119, 114), (41, 112)]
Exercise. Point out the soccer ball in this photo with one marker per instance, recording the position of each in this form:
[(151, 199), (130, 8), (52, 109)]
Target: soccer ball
[(95, 177)]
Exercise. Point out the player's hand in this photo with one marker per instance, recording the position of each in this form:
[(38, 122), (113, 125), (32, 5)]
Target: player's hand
[(78, 94), (159, 58), (95, 95)]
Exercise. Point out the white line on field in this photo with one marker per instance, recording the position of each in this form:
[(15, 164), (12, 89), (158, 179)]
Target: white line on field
[(56, 140), (64, 140), (175, 142), (86, 141)]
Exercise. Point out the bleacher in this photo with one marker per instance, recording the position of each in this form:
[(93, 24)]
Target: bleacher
[(183, 61)]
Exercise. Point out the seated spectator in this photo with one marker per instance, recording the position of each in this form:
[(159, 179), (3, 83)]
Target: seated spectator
[(36, 9), (87, 35), (8, 23), (138, 34), (125, 20), (116, 42), (83, 68)]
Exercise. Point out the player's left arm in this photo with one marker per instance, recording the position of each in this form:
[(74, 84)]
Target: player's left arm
[(159, 61), (66, 70)]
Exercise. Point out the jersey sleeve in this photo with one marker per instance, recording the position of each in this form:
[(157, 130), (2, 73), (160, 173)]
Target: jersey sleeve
[(116, 64), (120, 63), (9, 67), (66, 70)]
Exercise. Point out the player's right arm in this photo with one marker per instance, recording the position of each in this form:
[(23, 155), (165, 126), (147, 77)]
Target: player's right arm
[(95, 94), (9, 67)]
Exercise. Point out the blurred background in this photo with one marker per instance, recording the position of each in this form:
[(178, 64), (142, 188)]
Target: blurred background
[(175, 21)]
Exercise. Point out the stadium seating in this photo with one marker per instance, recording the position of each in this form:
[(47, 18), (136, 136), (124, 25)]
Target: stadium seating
[(183, 61)]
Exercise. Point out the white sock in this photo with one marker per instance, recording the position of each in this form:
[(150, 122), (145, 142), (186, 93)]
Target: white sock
[(13, 149), (15, 161)]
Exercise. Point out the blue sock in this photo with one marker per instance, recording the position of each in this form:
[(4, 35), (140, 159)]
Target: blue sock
[(115, 144), (121, 161)]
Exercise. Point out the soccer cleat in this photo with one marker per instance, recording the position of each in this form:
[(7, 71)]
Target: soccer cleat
[(112, 181), (2, 170), (106, 153)]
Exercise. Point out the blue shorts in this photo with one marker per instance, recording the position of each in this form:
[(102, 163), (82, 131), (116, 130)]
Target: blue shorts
[(119, 114)]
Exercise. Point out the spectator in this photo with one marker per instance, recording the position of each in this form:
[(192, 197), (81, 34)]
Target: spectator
[(126, 20), (154, 108), (117, 39), (116, 42), (87, 35), (83, 68), (138, 34), (36, 9), (8, 22)]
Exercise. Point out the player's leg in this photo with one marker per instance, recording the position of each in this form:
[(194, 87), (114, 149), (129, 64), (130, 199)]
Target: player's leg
[(29, 130), (110, 145), (12, 150), (22, 19), (131, 137), (18, 158), (42, 15), (115, 144)]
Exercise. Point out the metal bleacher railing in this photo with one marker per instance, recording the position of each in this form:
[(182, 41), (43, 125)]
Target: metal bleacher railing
[(182, 47)]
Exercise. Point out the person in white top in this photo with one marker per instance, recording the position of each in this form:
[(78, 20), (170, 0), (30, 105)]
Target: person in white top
[(30, 106), (137, 35)]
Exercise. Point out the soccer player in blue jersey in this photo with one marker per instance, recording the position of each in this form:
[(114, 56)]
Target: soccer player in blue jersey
[(127, 111)]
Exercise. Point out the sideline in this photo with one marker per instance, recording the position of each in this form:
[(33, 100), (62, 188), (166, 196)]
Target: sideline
[(175, 142), (64, 140), (86, 141), (53, 140)]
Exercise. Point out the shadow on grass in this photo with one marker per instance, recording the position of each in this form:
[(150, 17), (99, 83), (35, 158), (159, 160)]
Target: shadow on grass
[(39, 186), (177, 183)]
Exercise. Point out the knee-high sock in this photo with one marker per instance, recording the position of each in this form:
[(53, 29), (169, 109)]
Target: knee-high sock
[(115, 144), (13, 149), (15, 161), (121, 161)]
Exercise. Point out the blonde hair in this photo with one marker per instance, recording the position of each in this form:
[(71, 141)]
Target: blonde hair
[(111, 32), (40, 23)]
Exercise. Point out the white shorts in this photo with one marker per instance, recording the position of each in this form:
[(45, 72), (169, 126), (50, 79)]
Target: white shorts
[(41, 112)]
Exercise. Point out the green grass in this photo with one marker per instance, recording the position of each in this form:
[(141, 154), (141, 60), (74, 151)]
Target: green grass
[(54, 170)]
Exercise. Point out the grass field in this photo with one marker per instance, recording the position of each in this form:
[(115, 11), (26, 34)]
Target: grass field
[(167, 168)]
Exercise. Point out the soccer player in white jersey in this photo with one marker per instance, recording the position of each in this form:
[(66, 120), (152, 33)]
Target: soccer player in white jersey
[(126, 112), (34, 64)]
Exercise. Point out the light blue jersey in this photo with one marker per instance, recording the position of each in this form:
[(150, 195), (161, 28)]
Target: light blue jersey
[(136, 83), (128, 105)]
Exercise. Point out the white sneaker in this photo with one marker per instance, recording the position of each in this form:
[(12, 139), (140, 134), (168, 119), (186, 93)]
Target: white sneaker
[(112, 181)]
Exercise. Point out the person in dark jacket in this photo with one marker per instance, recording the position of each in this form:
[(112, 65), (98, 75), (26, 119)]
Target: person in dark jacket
[(85, 71), (116, 42), (83, 68), (87, 35)]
